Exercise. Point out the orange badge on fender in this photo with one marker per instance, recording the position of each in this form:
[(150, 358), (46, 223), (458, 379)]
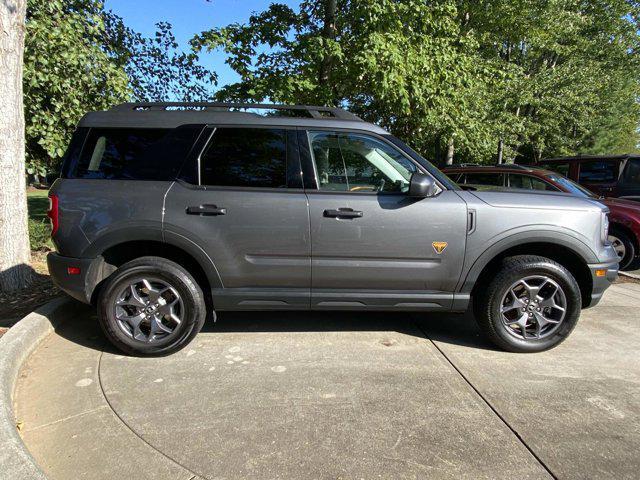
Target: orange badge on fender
[(439, 246)]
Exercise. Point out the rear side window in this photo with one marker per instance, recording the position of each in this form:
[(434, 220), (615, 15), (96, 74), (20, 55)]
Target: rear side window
[(245, 157), (598, 172), (133, 153), (493, 179), (631, 174)]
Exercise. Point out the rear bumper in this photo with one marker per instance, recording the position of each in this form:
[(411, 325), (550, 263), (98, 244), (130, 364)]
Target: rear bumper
[(601, 282), (80, 285)]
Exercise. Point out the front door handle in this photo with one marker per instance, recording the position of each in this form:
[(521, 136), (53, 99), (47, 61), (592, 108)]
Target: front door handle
[(343, 213), (206, 210)]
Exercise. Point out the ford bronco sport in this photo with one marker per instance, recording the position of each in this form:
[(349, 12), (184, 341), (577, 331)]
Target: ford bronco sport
[(167, 213)]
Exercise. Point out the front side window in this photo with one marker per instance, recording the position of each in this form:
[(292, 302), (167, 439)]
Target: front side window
[(598, 172), (352, 162), (528, 182), (133, 153), (245, 157)]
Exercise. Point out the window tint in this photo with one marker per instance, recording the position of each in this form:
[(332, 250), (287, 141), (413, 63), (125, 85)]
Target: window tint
[(631, 174), (133, 154), (482, 178), (246, 157), (529, 183), (358, 163), (72, 155), (598, 172)]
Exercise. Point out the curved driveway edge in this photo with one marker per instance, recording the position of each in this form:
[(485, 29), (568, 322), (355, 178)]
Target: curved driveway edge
[(15, 347)]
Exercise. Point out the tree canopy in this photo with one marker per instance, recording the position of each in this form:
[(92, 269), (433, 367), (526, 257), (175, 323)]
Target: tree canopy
[(541, 77), (79, 57)]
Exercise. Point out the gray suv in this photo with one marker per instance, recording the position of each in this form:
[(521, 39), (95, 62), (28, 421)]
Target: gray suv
[(167, 213)]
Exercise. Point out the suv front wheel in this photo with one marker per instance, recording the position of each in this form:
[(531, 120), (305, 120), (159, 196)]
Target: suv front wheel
[(532, 304), (151, 306)]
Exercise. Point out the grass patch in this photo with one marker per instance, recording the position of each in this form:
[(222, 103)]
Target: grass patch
[(39, 227), (38, 204)]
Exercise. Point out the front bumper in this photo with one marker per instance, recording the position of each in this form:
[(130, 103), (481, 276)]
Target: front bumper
[(601, 282), (78, 285)]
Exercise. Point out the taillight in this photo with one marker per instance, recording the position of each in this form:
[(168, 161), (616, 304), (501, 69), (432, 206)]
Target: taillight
[(52, 213)]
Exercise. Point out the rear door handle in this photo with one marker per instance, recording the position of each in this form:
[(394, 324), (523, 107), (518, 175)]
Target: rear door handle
[(343, 213), (206, 210)]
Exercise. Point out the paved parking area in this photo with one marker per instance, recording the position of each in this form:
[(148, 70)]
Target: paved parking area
[(340, 396)]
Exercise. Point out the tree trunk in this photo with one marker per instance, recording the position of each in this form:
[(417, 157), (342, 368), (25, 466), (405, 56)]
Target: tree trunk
[(500, 151), (328, 33), (450, 150), (15, 271)]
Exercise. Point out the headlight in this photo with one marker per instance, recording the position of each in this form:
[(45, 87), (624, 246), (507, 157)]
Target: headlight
[(604, 228)]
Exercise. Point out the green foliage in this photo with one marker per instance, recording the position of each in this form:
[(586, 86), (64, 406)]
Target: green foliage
[(546, 76), (66, 74), (79, 58), (157, 69)]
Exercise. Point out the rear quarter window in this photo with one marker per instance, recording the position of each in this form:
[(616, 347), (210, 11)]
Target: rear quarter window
[(132, 153)]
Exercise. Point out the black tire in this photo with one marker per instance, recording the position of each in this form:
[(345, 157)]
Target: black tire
[(629, 257), (192, 306), (488, 304)]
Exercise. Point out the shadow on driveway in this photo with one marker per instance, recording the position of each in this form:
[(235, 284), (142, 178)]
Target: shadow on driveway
[(457, 329)]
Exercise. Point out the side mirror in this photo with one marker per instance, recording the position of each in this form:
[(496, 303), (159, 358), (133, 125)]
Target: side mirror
[(422, 186)]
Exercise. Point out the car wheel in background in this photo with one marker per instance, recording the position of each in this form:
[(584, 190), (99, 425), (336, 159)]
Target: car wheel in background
[(624, 247)]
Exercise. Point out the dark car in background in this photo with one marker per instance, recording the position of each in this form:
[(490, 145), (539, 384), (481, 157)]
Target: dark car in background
[(624, 230), (605, 175)]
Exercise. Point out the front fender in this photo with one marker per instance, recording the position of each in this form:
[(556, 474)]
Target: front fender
[(474, 265)]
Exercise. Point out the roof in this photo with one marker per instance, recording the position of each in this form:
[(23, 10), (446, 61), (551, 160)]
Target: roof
[(174, 114), (592, 157), (498, 167)]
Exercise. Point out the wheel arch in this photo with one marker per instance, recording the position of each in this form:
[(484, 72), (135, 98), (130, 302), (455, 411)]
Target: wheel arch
[(575, 258), (177, 249)]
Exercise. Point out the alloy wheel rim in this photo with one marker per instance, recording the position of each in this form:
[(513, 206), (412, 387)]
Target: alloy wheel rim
[(148, 309), (533, 307), (618, 246)]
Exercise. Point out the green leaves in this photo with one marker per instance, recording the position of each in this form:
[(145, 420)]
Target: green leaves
[(541, 75), (79, 58), (66, 74)]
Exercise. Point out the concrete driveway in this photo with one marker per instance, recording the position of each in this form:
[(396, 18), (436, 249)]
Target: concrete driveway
[(340, 396)]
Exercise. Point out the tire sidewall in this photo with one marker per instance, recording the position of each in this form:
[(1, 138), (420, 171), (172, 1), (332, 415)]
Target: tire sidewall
[(571, 291), (189, 291)]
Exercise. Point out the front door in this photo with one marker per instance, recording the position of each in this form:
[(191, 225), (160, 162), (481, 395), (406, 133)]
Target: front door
[(372, 245), (249, 214)]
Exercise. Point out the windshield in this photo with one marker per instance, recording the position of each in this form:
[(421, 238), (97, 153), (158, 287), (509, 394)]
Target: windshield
[(571, 186)]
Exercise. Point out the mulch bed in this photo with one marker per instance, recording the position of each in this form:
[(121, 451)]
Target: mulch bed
[(15, 305)]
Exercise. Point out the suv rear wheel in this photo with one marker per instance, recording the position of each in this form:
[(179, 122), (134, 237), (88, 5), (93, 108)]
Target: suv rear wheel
[(531, 305), (151, 306)]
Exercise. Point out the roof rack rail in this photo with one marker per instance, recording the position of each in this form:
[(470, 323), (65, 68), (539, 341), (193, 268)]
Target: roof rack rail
[(515, 166), (325, 113)]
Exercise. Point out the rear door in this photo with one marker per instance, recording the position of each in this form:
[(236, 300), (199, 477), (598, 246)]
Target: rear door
[(245, 207), (372, 245)]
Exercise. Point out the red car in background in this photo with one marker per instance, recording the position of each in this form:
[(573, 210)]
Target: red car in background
[(624, 230), (606, 175)]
